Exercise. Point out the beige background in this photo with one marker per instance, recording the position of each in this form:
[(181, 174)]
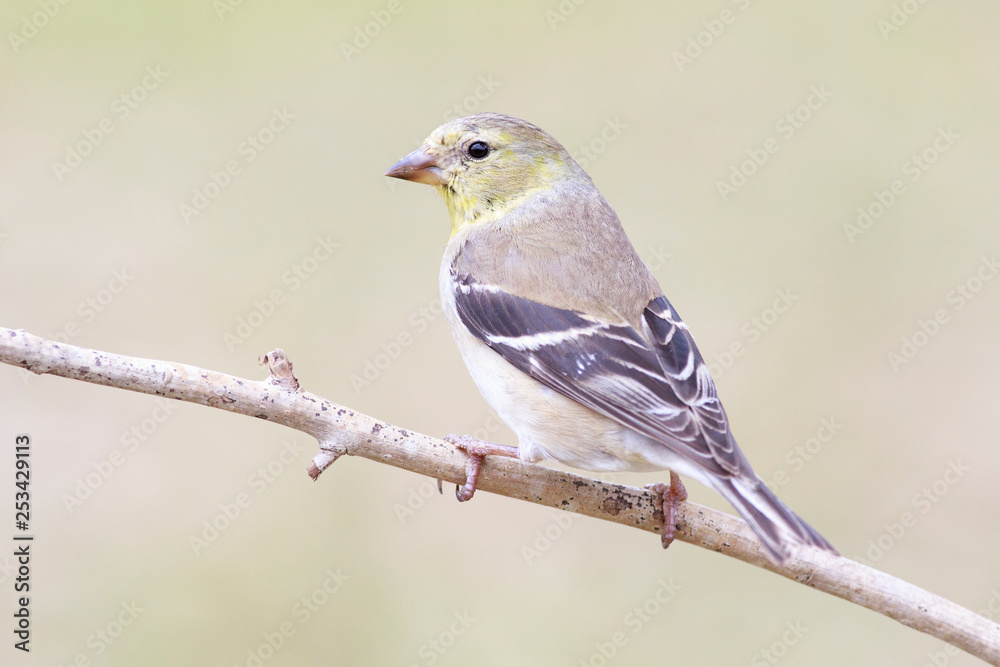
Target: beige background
[(670, 134)]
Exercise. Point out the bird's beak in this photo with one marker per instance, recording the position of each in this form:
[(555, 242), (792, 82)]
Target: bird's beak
[(419, 166)]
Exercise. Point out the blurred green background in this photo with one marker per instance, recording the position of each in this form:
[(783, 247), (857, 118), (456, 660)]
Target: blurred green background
[(273, 124)]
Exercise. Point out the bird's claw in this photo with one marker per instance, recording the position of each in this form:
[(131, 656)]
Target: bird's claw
[(477, 450), (670, 497)]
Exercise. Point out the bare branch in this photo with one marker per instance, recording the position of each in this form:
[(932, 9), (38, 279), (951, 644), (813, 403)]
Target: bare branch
[(341, 430)]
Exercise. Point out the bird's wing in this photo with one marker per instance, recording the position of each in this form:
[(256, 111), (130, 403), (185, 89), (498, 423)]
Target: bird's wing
[(657, 384)]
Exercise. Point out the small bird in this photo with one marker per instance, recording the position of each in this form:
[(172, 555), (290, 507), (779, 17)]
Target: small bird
[(566, 332)]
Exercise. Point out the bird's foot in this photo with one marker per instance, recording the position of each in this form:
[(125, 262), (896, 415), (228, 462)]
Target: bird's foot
[(477, 451), (670, 497)]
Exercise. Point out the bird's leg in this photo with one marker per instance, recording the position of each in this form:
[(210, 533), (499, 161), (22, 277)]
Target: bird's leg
[(477, 450), (670, 497)]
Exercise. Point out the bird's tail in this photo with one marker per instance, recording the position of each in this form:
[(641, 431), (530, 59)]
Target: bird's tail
[(775, 524)]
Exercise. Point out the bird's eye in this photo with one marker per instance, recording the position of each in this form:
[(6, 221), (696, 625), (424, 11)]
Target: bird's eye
[(478, 150)]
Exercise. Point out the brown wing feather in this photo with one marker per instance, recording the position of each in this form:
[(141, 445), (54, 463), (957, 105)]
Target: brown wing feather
[(656, 384)]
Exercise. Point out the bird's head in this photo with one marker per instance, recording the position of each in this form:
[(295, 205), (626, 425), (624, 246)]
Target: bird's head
[(485, 164)]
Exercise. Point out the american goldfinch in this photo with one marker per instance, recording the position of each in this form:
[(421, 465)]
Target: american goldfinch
[(566, 332)]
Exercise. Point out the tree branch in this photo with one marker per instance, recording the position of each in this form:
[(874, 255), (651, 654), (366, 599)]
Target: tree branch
[(341, 430)]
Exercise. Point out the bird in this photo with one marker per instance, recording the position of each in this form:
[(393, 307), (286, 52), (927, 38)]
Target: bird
[(567, 333)]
